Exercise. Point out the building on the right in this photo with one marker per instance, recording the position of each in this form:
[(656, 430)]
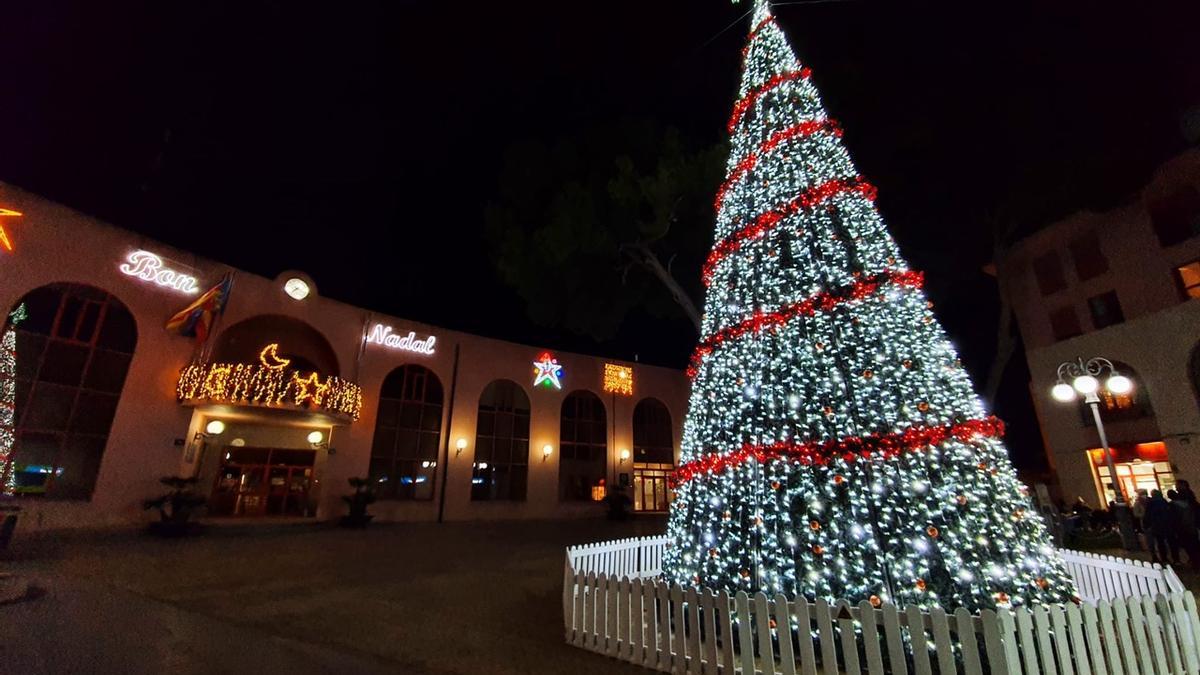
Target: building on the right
[(1123, 285)]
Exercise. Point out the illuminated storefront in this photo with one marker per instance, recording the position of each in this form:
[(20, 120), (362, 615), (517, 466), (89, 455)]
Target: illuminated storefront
[(1142, 466), (291, 395)]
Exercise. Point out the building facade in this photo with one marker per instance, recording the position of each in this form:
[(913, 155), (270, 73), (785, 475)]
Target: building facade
[(293, 394), (1121, 285)]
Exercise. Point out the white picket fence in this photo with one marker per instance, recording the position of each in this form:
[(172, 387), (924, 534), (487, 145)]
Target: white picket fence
[(1104, 577), (1131, 621)]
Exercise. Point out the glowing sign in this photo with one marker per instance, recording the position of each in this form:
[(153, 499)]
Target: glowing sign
[(618, 379), (4, 240), (547, 372), (383, 335), (149, 267), (270, 359)]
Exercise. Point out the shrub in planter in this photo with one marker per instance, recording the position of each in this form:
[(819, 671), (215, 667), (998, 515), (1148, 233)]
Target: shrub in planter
[(362, 497), (8, 523), (176, 507)]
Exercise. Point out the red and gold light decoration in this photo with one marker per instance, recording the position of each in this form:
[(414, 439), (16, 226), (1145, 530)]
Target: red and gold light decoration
[(834, 446), (268, 383), (618, 379)]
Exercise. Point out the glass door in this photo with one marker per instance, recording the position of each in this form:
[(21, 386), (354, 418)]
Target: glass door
[(263, 482), (650, 487)]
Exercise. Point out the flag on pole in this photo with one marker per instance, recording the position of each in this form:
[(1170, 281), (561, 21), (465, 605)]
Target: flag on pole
[(196, 319)]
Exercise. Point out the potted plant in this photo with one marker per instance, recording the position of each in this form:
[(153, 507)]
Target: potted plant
[(8, 522), (362, 497), (176, 507)]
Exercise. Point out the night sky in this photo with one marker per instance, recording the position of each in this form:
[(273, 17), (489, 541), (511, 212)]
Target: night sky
[(360, 142)]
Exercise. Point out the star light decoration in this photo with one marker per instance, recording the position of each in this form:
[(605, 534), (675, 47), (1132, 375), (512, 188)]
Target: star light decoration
[(5, 242), (546, 371)]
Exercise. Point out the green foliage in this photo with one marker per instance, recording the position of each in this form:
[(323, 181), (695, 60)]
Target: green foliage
[(179, 503), (358, 501), (574, 221)]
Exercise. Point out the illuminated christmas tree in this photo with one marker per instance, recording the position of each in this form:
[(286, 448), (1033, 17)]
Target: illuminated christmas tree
[(834, 446), (8, 398)]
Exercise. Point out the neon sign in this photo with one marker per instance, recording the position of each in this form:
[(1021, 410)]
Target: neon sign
[(5, 243), (149, 267), (547, 372), (383, 335)]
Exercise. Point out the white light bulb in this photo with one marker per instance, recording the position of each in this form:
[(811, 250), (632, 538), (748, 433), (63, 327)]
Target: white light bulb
[(215, 427), (1086, 384), (1119, 384), (1063, 392)]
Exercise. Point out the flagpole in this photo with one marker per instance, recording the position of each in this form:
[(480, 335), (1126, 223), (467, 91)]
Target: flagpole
[(362, 345), (212, 330)]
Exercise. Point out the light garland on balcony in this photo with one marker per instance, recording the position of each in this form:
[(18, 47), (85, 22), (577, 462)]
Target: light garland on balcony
[(270, 386)]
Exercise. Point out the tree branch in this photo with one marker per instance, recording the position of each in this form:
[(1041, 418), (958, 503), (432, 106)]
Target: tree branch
[(1006, 341), (642, 255)]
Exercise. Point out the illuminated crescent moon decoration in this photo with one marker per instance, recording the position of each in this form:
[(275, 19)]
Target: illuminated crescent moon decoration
[(270, 359)]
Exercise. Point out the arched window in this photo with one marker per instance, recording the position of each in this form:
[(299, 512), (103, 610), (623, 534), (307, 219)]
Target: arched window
[(408, 433), (73, 353), (583, 459), (653, 436), (1116, 407), (501, 443)]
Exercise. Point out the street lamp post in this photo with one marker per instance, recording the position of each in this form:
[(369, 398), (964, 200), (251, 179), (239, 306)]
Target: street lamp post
[(1083, 378)]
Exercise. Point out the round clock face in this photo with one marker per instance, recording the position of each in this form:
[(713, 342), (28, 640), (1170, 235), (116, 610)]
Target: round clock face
[(297, 288)]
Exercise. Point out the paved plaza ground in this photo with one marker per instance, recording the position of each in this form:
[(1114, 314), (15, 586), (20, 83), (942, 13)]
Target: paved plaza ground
[(402, 598)]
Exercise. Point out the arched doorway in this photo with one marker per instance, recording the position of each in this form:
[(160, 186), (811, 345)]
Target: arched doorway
[(653, 454), (71, 354)]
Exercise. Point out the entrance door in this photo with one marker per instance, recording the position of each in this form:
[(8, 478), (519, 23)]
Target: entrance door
[(263, 482), (650, 487)]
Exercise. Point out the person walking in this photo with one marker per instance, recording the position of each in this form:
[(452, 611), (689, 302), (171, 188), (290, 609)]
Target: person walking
[(1139, 508), (1184, 516), (1158, 524)]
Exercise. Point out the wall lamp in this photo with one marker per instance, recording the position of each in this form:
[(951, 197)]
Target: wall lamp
[(624, 455), (547, 450), (459, 446), (316, 439), (211, 430)]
